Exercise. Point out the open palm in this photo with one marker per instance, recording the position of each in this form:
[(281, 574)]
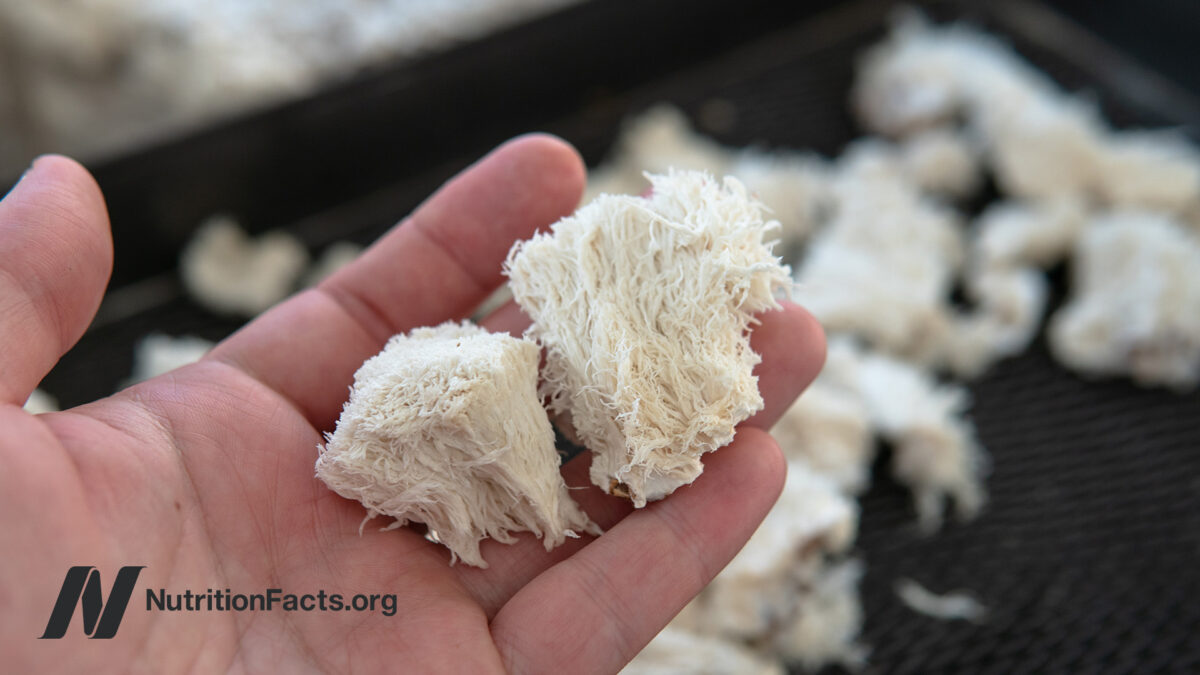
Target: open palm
[(205, 475)]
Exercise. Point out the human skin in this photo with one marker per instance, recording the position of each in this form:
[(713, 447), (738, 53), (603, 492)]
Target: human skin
[(205, 475)]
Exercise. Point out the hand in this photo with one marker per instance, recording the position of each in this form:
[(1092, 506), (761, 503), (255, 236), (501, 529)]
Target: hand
[(205, 475)]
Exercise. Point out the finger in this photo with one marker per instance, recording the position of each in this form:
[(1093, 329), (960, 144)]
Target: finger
[(55, 259), (594, 611), (512, 566), (438, 264), (507, 318), (792, 346)]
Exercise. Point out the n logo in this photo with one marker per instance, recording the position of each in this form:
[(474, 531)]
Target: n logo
[(82, 585)]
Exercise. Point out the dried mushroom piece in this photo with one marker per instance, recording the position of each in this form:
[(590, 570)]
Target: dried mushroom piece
[(229, 272), (829, 429), (1135, 303), (789, 591), (677, 650), (644, 307), (444, 427)]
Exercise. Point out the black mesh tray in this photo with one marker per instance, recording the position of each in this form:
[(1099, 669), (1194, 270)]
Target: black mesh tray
[(1088, 553)]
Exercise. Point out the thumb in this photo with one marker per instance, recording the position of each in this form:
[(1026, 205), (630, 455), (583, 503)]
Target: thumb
[(55, 259)]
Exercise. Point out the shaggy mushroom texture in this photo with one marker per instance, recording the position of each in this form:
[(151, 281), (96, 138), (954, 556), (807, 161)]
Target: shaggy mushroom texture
[(644, 307), (790, 593), (444, 427)]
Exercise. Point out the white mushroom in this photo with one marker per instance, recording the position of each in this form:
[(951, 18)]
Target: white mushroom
[(644, 307), (783, 591), (333, 258), (40, 401), (1135, 304), (444, 427), (935, 452), (829, 429), (946, 606), (883, 267), (230, 273), (157, 353), (654, 141), (676, 650)]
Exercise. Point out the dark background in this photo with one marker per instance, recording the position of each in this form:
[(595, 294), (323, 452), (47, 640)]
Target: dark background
[(1162, 34)]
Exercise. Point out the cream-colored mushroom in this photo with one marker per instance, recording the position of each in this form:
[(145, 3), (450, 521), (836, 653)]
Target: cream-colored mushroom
[(1135, 304), (229, 272), (444, 427), (644, 307)]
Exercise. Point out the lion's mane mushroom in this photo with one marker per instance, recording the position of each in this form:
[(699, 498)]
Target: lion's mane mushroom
[(644, 306), (444, 427)]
